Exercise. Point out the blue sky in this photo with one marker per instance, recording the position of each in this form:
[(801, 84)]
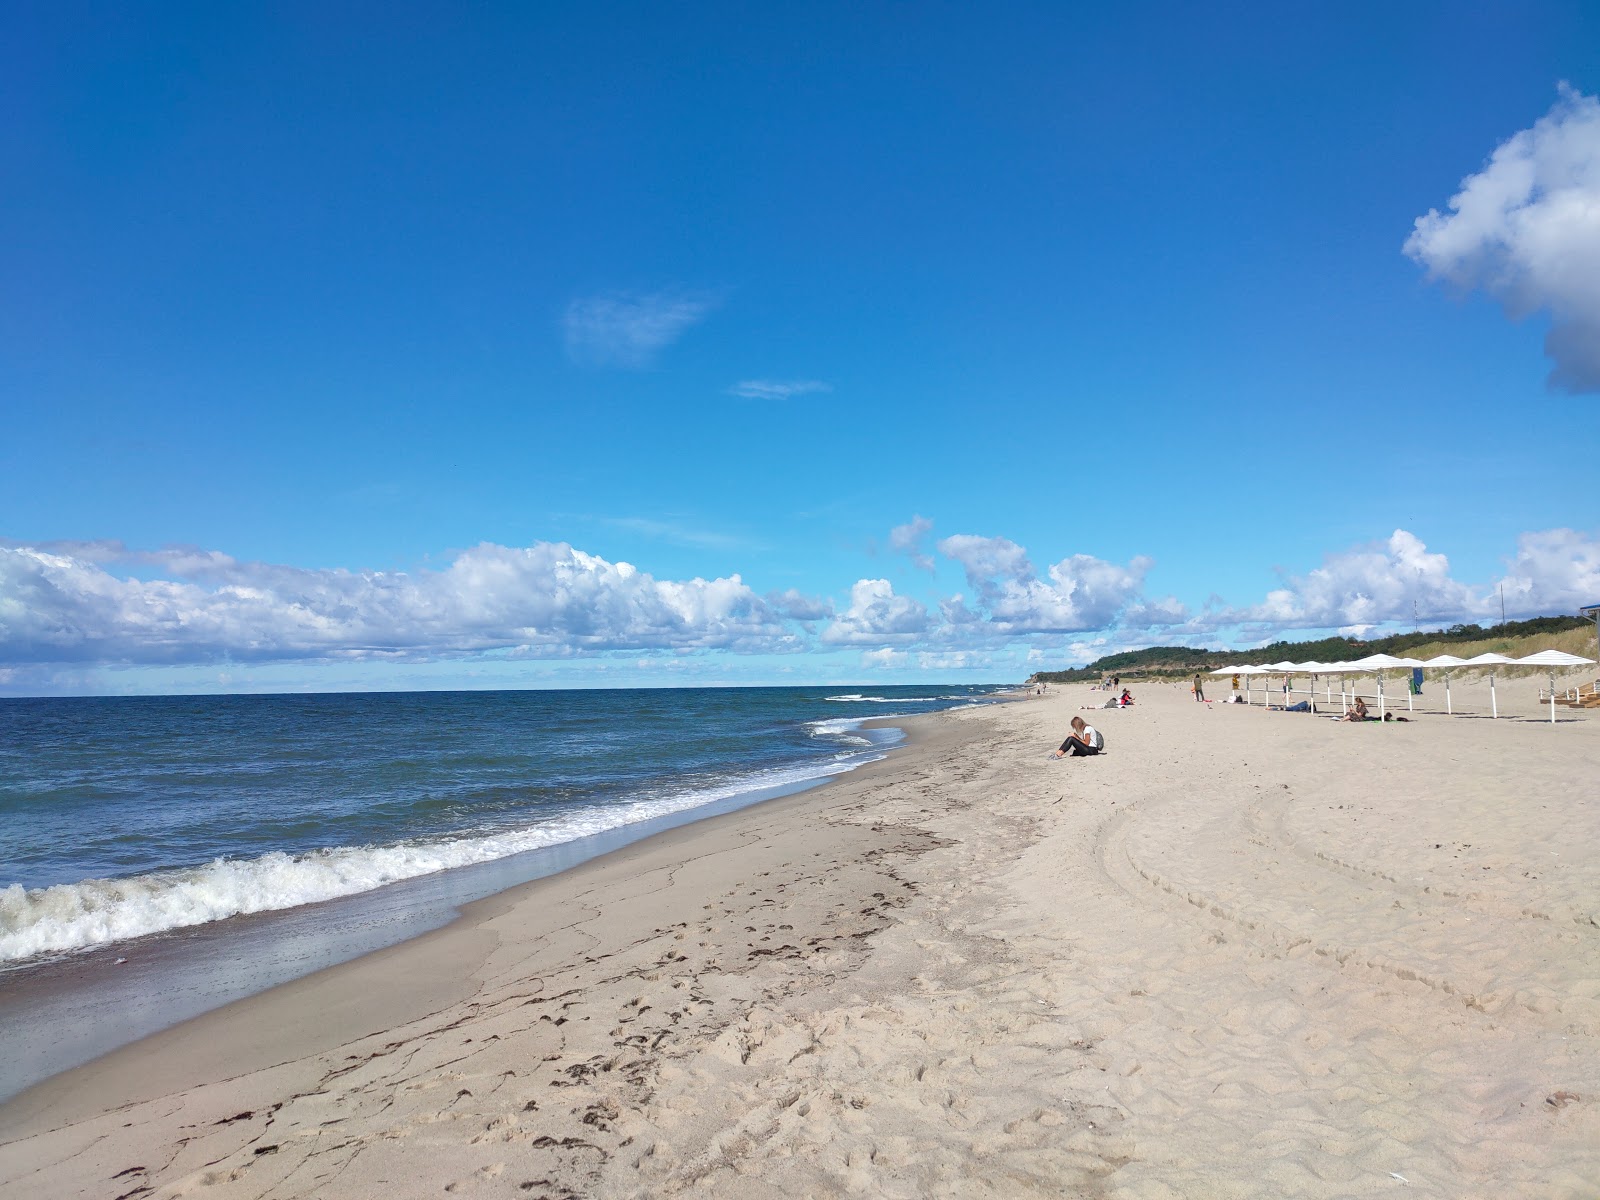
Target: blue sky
[(318, 329)]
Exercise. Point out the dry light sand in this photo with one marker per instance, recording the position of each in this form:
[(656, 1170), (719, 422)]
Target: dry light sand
[(1241, 954)]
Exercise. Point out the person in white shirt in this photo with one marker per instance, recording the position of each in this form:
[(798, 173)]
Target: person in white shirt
[(1084, 740)]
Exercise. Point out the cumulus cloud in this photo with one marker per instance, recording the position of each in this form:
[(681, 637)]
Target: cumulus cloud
[(66, 606), (1364, 586), (1078, 593), (907, 539), (876, 615), (1553, 570), (885, 659), (777, 389), (628, 329), (797, 606), (1400, 579), (544, 600), (1167, 611), (1526, 230)]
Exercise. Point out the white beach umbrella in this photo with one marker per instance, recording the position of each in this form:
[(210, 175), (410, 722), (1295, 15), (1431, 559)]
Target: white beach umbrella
[(1351, 671), (1377, 664), (1374, 664), (1226, 671), (1283, 668), (1341, 669), (1491, 661), (1552, 659), (1443, 663), (1314, 669), (1249, 670)]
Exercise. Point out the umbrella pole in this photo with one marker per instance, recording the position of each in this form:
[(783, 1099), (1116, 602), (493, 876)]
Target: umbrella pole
[(1552, 697), (1380, 695), (1494, 707), (1448, 711)]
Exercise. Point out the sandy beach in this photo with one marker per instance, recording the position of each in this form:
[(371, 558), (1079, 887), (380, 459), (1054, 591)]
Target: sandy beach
[(1243, 953)]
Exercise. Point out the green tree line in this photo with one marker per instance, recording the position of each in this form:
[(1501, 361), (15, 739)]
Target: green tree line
[(1184, 660)]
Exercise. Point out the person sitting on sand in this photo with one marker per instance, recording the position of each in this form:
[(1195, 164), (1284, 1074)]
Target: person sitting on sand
[(1358, 713), (1083, 741), (1125, 699)]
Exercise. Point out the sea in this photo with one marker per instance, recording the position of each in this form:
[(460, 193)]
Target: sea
[(161, 856)]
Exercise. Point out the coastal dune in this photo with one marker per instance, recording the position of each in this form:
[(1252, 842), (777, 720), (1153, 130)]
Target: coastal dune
[(1243, 953)]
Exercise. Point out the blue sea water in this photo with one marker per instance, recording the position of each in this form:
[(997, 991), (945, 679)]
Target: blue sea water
[(127, 817)]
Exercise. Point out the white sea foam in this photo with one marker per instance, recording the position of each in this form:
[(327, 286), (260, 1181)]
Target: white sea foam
[(842, 729), (858, 698), (92, 912)]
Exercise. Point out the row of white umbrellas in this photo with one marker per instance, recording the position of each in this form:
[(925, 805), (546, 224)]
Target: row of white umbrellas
[(1376, 664)]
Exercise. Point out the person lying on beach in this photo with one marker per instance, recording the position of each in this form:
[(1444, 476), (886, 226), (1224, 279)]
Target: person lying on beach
[(1392, 717), (1358, 713), (1083, 741)]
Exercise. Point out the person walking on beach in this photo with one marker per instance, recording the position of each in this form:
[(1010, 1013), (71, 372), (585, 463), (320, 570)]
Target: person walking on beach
[(1083, 741), (1199, 688)]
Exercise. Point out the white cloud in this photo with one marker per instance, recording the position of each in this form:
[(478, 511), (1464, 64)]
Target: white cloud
[(1554, 570), (797, 606), (629, 330), (677, 534), (777, 389), (907, 539), (877, 615), (1400, 580), (954, 660), (1364, 586), (68, 606), (884, 659), (1078, 593), (545, 600), (1526, 229), (1168, 611)]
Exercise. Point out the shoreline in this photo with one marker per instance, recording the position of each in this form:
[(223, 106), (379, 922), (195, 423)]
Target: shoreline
[(1239, 954), (667, 834), (282, 946)]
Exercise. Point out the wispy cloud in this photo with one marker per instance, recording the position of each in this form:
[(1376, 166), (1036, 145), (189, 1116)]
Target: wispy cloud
[(777, 389), (679, 534), (630, 329), (907, 539), (1525, 229)]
